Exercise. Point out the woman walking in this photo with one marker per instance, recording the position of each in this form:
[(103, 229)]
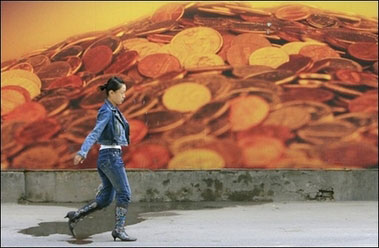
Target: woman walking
[(111, 132)]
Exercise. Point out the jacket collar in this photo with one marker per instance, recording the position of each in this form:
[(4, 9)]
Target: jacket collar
[(109, 104)]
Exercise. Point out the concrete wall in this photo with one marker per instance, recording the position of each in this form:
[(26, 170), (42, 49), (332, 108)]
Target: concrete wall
[(211, 185)]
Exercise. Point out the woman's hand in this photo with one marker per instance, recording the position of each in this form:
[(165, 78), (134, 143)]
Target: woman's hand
[(78, 159)]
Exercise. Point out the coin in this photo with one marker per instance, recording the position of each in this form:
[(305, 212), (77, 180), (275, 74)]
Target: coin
[(335, 64), (349, 154), (73, 50), (34, 112), (229, 151), (54, 104), (156, 65), (24, 79), (202, 60), (367, 51), (113, 42), (318, 52), (172, 11), (210, 111), (186, 97), (326, 131), (198, 40), (268, 56), (292, 117), (227, 42), (294, 47), (73, 81), (367, 102), (348, 76), (149, 156), (160, 38), (123, 62), (297, 63), (197, 159), (138, 131), (260, 151), (36, 157), (293, 12), (322, 20), (277, 131), (39, 130), (11, 97), (161, 121), (242, 116), (250, 70), (23, 66), (97, 58), (54, 70), (307, 94)]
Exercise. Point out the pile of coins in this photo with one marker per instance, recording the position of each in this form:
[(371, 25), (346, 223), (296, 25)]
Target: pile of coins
[(209, 85)]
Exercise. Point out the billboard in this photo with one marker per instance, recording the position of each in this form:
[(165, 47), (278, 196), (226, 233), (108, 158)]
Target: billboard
[(210, 85)]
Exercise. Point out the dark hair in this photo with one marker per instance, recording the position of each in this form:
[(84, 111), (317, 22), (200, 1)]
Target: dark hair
[(114, 83)]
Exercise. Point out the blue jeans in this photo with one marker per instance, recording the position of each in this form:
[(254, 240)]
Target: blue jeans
[(114, 179)]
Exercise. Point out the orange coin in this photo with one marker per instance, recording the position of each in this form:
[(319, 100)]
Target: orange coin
[(138, 131), (307, 94), (155, 65), (28, 112), (260, 151), (367, 51), (149, 156), (238, 55), (227, 43), (97, 58), (39, 156), (367, 102), (318, 52), (55, 70), (123, 62), (250, 38), (293, 12), (39, 130), (348, 77), (280, 132), (247, 111), (73, 81), (350, 154), (168, 12)]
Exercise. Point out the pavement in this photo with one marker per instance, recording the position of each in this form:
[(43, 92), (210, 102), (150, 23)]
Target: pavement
[(217, 224)]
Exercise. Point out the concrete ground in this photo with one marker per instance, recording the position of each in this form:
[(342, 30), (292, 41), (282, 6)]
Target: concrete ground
[(307, 223)]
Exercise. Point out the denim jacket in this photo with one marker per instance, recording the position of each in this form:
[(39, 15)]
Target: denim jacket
[(110, 129)]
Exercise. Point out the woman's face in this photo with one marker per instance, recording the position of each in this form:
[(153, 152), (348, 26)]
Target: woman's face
[(118, 96)]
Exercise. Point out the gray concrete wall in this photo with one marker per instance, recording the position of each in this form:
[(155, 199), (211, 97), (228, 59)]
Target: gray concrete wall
[(211, 185)]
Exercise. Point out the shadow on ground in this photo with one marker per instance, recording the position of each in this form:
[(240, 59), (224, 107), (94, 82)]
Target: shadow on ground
[(103, 220)]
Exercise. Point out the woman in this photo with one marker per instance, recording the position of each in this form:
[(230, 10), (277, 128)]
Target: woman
[(111, 132)]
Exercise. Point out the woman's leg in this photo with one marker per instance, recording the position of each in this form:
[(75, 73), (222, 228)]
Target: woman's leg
[(116, 174)]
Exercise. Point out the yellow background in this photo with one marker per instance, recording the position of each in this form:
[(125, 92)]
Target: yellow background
[(31, 25)]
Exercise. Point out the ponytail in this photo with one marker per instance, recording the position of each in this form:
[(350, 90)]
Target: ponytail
[(114, 83)]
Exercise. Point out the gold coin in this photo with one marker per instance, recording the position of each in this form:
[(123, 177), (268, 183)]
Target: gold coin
[(186, 97), (24, 79), (202, 40), (292, 117), (129, 43), (203, 159), (326, 131), (145, 48), (295, 46), (202, 60), (269, 56)]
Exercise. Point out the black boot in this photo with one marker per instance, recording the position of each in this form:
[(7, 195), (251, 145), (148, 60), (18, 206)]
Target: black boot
[(75, 216), (119, 230)]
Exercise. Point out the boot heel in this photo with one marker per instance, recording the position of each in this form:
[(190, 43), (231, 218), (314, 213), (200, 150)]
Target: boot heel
[(114, 237)]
